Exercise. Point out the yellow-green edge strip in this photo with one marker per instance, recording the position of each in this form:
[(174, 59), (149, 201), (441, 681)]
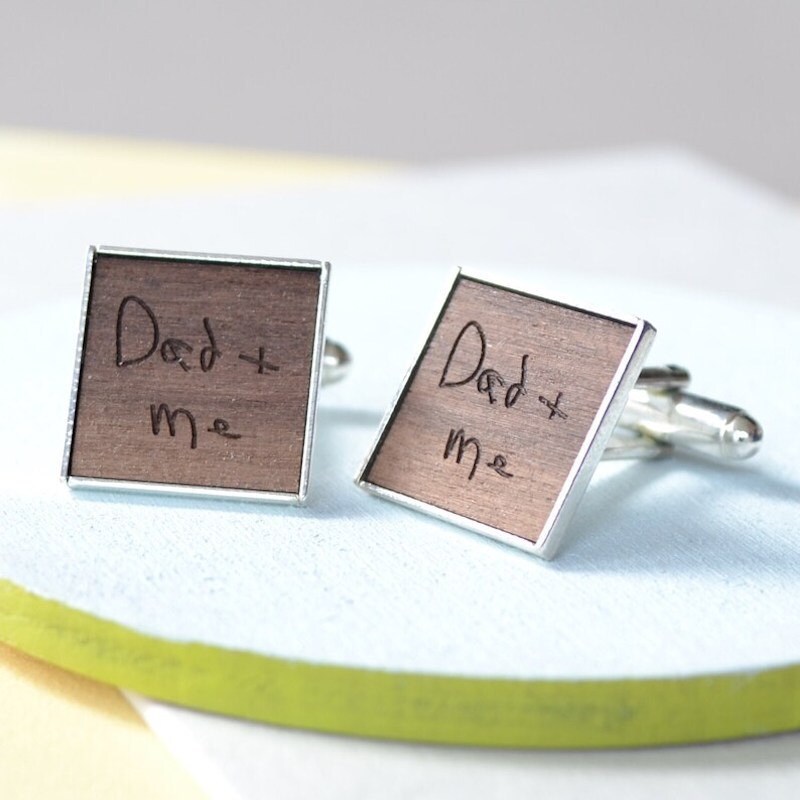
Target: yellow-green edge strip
[(404, 706)]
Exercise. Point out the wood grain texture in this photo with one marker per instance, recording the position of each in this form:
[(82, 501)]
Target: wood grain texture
[(498, 406), (195, 373)]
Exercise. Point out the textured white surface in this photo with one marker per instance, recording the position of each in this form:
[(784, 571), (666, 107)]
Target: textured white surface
[(704, 559), (675, 567)]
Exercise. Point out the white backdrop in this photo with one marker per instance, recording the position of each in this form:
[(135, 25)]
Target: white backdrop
[(416, 80)]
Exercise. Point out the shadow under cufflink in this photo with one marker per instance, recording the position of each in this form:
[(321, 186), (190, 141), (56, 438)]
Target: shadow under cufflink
[(680, 515)]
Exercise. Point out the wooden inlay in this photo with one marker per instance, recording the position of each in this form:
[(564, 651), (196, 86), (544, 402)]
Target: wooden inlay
[(196, 373), (498, 407)]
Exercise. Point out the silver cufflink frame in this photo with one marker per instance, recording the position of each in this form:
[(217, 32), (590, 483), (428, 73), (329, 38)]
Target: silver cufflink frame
[(163, 415)]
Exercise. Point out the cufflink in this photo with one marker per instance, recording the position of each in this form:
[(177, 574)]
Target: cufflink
[(197, 374), (515, 398)]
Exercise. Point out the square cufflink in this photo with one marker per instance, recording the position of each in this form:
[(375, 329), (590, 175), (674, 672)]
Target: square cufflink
[(505, 414), (515, 398), (197, 374)]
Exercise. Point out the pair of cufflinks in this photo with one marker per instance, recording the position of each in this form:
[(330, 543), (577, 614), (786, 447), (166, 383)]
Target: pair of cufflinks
[(198, 374)]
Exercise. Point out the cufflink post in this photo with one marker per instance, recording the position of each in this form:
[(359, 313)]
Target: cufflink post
[(335, 362), (660, 416)]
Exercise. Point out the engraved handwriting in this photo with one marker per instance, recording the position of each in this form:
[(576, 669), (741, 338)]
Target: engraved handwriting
[(260, 361), (162, 412), (156, 413), (470, 347), (209, 354), (466, 366), (499, 466), (488, 380), (173, 350), (471, 338), (222, 427), (139, 337), (462, 441), (553, 406), (470, 326), (132, 328), (517, 389), (123, 306)]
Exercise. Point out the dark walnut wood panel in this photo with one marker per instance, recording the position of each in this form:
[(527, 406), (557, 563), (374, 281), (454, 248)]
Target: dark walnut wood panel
[(499, 406), (195, 373)]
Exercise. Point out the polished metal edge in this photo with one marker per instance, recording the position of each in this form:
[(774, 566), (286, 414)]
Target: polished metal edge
[(181, 490), (298, 498), (315, 381), (449, 516), (78, 366), (598, 436), (608, 414), (218, 258)]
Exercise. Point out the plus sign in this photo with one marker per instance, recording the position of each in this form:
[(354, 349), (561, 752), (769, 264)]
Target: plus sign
[(264, 366), (553, 406)]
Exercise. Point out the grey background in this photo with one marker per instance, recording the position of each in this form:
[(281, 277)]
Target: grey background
[(416, 80)]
